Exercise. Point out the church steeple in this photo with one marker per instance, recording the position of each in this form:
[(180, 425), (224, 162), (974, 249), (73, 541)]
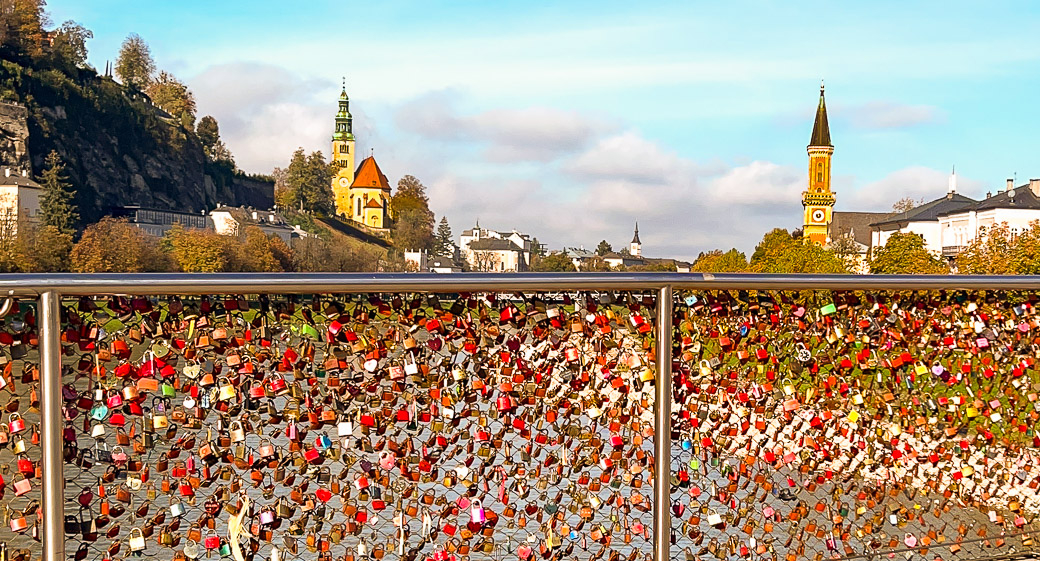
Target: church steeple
[(343, 154), (635, 249), (818, 200), (821, 131)]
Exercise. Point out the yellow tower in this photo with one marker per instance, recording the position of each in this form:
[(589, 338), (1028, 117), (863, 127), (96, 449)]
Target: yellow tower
[(343, 154), (818, 200)]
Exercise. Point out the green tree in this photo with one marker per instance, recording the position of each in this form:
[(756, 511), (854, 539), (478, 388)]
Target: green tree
[(444, 245), (58, 201), (603, 248), (412, 227), (779, 252), (174, 97), (70, 44), (208, 132), (905, 254), (846, 249), (135, 66), (715, 261), (116, 246), (554, 262), (306, 184), (992, 252)]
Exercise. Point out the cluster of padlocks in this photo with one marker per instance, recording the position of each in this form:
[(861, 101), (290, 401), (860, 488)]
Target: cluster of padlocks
[(837, 425), (520, 426)]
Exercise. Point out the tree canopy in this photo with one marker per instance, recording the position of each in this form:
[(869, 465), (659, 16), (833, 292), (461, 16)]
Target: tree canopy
[(444, 245), (306, 184), (715, 261), (134, 65), (603, 248), (779, 252), (174, 97), (552, 263), (70, 44), (905, 254), (412, 227), (1000, 251), (57, 204), (116, 246)]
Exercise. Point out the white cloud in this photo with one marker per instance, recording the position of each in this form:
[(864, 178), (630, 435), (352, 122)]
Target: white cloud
[(265, 112), (538, 134), (916, 182), (891, 115)]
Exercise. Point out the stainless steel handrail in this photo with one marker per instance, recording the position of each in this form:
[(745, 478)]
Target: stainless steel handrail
[(50, 288)]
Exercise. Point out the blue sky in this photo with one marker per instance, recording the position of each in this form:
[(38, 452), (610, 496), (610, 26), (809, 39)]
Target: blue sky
[(572, 120)]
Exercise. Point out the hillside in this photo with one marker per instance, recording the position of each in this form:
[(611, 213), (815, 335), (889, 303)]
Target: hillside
[(119, 149)]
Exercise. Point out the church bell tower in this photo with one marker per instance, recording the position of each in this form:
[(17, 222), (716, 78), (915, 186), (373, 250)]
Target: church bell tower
[(818, 200), (343, 154)]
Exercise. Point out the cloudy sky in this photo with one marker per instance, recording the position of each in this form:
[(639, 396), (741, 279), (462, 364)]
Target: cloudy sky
[(573, 120)]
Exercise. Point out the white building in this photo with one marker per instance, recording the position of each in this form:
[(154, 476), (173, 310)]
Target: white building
[(232, 221), (492, 251), (1018, 206), (923, 220), (157, 222), (19, 200)]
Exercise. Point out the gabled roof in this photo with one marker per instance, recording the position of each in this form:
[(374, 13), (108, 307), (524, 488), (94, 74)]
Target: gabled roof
[(493, 244), (821, 131), (855, 223), (369, 175), (373, 203), (19, 180), (1024, 199), (930, 211)]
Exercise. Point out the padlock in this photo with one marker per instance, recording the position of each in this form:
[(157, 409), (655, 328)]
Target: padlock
[(137, 542), (238, 434), (15, 423), (227, 391)]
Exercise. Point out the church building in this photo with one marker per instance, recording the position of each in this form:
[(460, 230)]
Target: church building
[(362, 194)]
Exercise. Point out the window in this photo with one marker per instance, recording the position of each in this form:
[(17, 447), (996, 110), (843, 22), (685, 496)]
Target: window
[(345, 148), (819, 172), (358, 206)]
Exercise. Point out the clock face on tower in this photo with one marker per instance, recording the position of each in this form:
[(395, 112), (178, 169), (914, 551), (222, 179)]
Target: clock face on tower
[(343, 182), (818, 215)]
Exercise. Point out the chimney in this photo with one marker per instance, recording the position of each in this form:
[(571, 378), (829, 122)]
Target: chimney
[(254, 215), (1034, 186), (7, 172), (1010, 184)]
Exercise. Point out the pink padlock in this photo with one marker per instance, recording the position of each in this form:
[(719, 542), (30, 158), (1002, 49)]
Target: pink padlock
[(476, 512), (267, 517), (16, 423), (387, 460), (909, 540)]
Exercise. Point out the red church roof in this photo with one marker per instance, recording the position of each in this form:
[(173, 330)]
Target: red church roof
[(374, 203), (369, 175)]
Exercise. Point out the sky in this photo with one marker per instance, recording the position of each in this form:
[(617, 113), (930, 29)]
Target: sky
[(573, 120)]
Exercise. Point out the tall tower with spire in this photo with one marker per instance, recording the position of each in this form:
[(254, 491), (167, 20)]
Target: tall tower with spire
[(635, 249), (818, 200), (343, 154)]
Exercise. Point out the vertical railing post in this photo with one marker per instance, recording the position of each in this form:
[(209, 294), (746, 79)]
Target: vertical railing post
[(51, 427), (663, 427)]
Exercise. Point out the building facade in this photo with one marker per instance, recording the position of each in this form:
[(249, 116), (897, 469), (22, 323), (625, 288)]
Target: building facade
[(818, 200), (157, 222), (1018, 207), (19, 201), (492, 251)]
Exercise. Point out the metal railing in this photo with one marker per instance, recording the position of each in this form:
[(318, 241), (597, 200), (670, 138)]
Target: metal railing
[(51, 289)]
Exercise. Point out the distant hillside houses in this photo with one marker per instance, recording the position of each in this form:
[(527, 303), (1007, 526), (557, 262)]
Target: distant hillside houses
[(224, 220)]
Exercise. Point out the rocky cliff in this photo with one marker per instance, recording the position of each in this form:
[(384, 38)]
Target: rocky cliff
[(119, 149)]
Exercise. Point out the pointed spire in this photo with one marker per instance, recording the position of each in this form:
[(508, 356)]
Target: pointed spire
[(821, 132), (635, 238)]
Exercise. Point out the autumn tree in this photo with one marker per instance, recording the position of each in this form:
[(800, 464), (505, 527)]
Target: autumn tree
[(603, 248), (905, 204), (263, 253), (21, 27), (846, 249), (715, 261), (990, 253), (779, 252), (116, 246), (1025, 255), (198, 251), (320, 255), (444, 245), (553, 263), (174, 97), (412, 227), (134, 66), (43, 249), (905, 254), (57, 204)]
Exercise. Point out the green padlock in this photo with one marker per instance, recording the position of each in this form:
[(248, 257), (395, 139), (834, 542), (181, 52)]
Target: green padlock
[(168, 390), (225, 549)]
